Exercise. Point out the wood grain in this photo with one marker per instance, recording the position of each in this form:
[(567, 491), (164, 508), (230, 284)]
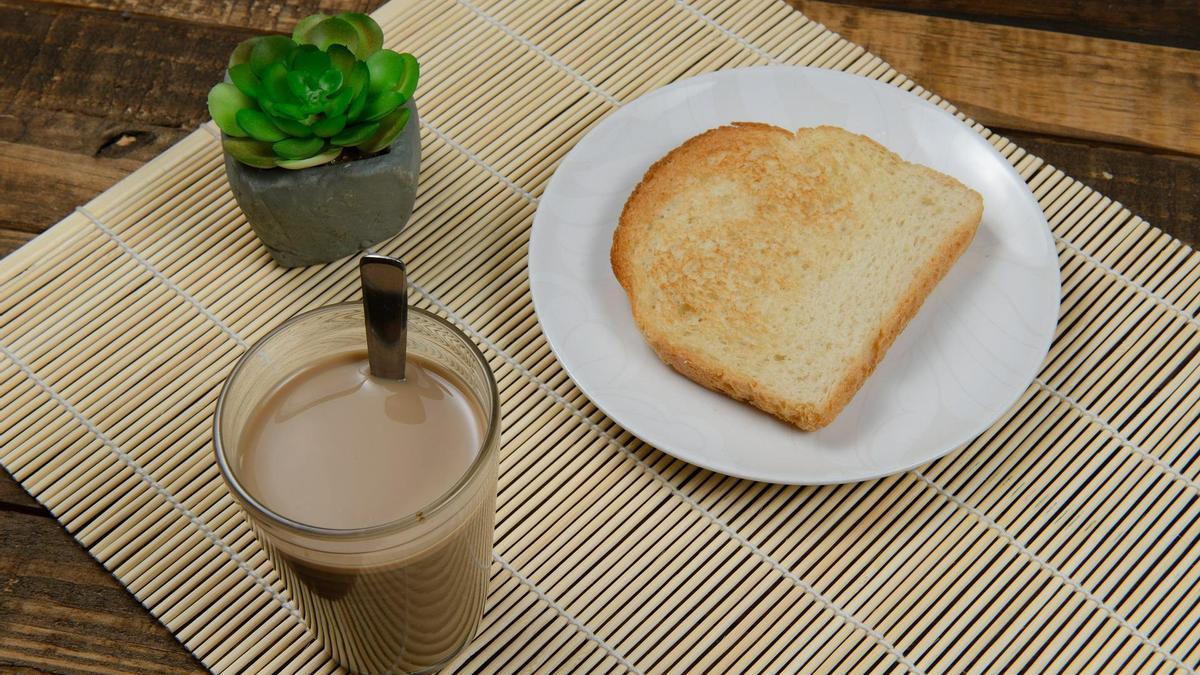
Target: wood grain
[(86, 97), (1032, 80), (1164, 189), (1164, 22), (277, 16), (142, 69), (61, 612), (40, 191), (88, 134), (11, 240), (37, 145), (13, 496)]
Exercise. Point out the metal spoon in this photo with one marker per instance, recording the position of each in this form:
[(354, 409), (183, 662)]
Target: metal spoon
[(385, 306)]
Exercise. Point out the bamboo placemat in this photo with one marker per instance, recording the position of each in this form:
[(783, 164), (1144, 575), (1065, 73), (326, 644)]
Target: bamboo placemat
[(1065, 537)]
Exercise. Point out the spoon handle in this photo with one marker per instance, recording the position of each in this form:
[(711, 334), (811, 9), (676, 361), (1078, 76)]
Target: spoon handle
[(385, 306)]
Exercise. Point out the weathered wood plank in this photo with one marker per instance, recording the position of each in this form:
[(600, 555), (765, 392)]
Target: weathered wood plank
[(277, 16), (50, 162), (138, 69), (1172, 23), (1164, 189), (1031, 80), (41, 186), (87, 97), (11, 240), (13, 496), (89, 135), (61, 612)]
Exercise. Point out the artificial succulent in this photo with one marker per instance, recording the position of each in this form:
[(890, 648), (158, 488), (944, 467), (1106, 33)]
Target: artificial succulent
[(301, 101)]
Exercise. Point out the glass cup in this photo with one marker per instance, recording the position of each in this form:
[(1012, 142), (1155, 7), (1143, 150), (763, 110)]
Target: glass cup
[(404, 596)]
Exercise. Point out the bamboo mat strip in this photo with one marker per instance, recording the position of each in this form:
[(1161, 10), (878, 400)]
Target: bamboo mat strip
[(1064, 537)]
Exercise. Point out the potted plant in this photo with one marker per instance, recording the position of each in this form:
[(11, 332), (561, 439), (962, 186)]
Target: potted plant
[(321, 140)]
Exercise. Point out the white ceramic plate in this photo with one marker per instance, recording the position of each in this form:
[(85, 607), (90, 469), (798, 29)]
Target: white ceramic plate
[(961, 363)]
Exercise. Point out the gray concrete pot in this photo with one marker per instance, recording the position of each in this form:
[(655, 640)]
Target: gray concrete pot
[(315, 215)]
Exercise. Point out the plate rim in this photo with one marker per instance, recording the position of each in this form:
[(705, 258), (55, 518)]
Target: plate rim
[(854, 80)]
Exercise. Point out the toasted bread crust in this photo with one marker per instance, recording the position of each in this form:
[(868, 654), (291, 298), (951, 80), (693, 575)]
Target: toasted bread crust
[(644, 199), (634, 226)]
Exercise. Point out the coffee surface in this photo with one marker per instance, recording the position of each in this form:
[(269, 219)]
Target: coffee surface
[(336, 447)]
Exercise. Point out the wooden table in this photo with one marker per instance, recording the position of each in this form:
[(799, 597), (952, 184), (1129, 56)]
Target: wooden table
[(91, 89)]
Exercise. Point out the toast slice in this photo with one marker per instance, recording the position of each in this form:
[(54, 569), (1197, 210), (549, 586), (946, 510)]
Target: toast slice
[(778, 267)]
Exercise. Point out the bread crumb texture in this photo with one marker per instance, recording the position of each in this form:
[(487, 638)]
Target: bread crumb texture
[(778, 267)]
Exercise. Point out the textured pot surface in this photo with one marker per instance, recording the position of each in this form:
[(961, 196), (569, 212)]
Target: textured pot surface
[(326, 212)]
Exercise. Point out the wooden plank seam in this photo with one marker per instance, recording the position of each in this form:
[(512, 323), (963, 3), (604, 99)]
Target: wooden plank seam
[(132, 464), (991, 524)]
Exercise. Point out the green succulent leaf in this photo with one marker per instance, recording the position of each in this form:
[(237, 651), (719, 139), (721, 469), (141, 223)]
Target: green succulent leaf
[(393, 72), (412, 72), (300, 32), (333, 31), (293, 112), (381, 106), (296, 102), (300, 49), (259, 125), (338, 103), (250, 152), (330, 81), (356, 83), (389, 128), (291, 127), (243, 77), (316, 160), (310, 59), (342, 58), (358, 78), (275, 84), (241, 53), (329, 126), (355, 134), (370, 35), (386, 69), (224, 102), (355, 110), (298, 148), (270, 49), (302, 85)]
